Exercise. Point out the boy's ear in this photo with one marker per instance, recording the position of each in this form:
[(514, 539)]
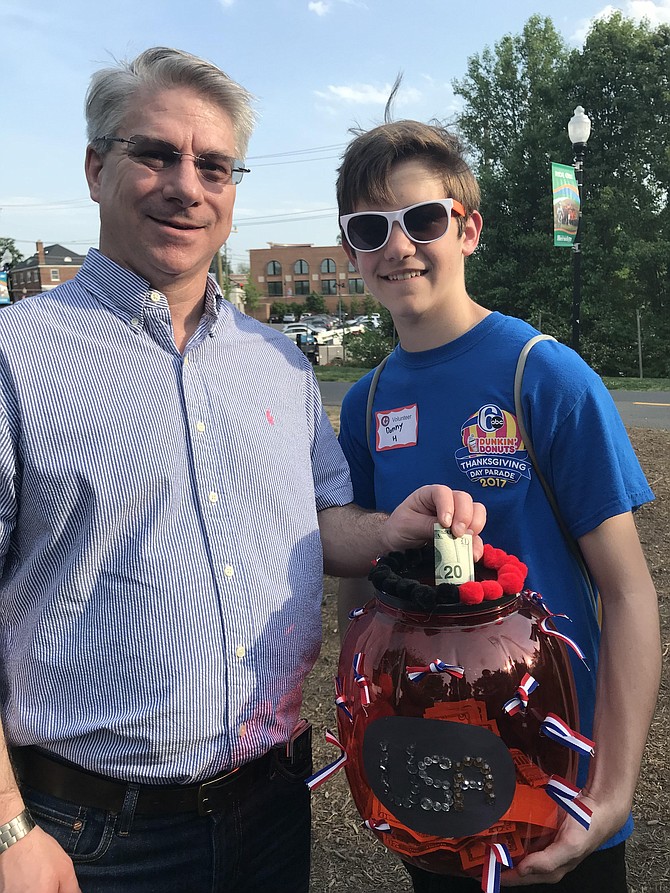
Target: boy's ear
[(349, 251), (471, 233)]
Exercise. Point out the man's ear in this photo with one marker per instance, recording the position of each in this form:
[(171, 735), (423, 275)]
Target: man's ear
[(93, 168), (351, 254), (471, 233)]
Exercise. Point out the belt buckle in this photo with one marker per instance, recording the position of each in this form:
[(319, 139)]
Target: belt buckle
[(207, 801)]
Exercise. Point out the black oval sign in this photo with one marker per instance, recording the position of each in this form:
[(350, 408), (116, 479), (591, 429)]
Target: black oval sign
[(438, 777)]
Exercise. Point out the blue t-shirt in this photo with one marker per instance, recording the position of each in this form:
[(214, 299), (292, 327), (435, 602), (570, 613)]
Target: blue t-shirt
[(447, 416)]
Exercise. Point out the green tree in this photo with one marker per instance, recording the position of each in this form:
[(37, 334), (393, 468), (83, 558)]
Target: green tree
[(518, 98), (622, 76), (370, 305), (315, 303), (252, 296), (9, 245)]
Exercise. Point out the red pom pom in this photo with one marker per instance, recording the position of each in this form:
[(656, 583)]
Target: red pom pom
[(471, 593), (493, 558), (492, 589), (511, 582)]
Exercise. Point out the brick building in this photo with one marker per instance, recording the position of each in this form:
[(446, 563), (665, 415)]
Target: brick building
[(289, 273), (46, 269)]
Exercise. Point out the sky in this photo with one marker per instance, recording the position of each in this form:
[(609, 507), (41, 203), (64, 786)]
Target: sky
[(316, 67)]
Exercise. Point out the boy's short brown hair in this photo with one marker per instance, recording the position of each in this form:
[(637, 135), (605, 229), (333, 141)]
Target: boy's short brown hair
[(369, 159)]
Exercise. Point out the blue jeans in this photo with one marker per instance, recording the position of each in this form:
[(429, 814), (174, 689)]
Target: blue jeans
[(261, 842)]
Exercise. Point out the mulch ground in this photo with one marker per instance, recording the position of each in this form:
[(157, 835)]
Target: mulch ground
[(346, 858)]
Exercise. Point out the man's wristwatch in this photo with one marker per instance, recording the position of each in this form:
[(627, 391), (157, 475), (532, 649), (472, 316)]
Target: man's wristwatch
[(11, 832)]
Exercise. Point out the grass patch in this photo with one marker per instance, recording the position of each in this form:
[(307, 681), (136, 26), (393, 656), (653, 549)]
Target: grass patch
[(613, 383), (636, 384)]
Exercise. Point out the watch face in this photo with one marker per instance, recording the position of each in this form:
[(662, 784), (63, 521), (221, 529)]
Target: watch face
[(447, 779)]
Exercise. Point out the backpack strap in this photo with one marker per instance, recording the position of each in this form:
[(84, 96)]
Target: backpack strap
[(371, 400), (572, 543)]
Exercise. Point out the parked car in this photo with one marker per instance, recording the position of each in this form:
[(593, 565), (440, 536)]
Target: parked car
[(289, 317), (369, 322)]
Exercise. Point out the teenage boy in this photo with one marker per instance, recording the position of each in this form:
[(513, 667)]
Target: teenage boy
[(409, 215)]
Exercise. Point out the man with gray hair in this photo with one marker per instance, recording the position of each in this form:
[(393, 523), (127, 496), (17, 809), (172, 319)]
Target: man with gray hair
[(171, 493)]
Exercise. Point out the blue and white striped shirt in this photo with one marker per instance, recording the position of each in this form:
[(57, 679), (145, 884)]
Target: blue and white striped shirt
[(161, 565)]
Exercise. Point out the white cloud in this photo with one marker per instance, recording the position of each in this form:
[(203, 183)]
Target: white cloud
[(367, 94), (226, 3), (657, 12), (320, 7)]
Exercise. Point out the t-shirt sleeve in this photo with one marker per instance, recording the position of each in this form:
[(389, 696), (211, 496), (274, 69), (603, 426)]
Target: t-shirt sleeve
[(354, 443), (581, 442)]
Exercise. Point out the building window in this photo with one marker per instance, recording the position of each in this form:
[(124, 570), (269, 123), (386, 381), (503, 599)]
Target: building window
[(273, 268), (301, 267), (328, 266), (328, 287), (352, 268), (275, 289), (356, 287), (55, 276), (302, 286)]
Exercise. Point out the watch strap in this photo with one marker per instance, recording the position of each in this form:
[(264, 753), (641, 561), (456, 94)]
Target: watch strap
[(13, 831)]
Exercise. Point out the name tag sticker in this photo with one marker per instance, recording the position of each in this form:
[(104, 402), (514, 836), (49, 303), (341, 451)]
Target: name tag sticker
[(396, 428)]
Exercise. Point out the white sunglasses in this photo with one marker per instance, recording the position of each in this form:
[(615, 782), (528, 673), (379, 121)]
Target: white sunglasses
[(424, 222)]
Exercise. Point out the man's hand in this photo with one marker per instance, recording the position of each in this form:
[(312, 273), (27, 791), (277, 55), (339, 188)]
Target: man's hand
[(411, 524), (37, 864)]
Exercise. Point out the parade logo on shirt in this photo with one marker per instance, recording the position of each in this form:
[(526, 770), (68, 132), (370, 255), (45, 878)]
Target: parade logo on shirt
[(493, 453), (396, 428)]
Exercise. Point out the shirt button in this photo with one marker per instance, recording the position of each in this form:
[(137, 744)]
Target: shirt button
[(136, 323), (229, 570), (213, 497), (240, 651), (155, 297), (200, 426)]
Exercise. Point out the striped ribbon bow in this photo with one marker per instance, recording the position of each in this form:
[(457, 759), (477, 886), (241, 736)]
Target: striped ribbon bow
[(568, 641), (497, 856), (374, 825), (340, 699), (556, 729), (567, 797), (519, 702), (314, 781), (360, 679), (437, 666)]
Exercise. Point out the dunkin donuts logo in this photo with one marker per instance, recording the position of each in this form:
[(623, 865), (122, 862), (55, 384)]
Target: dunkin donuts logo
[(493, 453)]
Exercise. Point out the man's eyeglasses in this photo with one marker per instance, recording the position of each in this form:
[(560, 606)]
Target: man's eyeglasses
[(422, 223), (158, 155)]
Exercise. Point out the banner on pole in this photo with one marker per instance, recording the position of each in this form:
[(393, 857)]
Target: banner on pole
[(4, 288), (565, 193)]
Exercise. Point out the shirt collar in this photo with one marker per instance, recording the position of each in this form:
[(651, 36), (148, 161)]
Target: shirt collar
[(127, 295)]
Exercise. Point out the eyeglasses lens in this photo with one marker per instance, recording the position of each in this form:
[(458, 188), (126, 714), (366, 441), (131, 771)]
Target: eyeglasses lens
[(367, 232), (157, 155), (427, 222)]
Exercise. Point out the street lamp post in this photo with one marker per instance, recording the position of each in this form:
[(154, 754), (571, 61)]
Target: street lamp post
[(579, 130)]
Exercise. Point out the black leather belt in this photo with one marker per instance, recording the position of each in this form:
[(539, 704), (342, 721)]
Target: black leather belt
[(68, 782)]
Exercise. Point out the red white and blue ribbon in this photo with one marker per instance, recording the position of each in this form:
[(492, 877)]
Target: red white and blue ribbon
[(360, 679), (314, 781), (539, 602), (357, 612), (519, 702), (340, 699), (567, 797), (556, 729), (568, 641), (497, 856), (374, 825), (436, 666)]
